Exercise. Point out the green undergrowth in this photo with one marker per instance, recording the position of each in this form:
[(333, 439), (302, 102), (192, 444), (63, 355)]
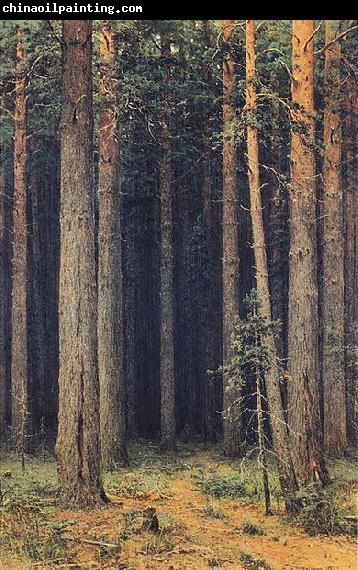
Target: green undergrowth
[(324, 512), (245, 486), (212, 512), (331, 510), (249, 562), (251, 528)]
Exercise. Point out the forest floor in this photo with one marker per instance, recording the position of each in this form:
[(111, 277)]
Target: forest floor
[(210, 513)]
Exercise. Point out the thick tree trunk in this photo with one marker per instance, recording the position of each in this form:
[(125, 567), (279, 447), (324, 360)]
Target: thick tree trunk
[(78, 450), (281, 449), (19, 349), (167, 380), (303, 398), (351, 266), (335, 441), (110, 322), (231, 405)]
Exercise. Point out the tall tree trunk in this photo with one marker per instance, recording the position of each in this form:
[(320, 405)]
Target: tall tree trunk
[(303, 399), (78, 450), (335, 441), (39, 395), (281, 449), (277, 229), (110, 322), (19, 349), (167, 380), (208, 328), (50, 183), (3, 299), (232, 411), (208, 305), (351, 265), (129, 302)]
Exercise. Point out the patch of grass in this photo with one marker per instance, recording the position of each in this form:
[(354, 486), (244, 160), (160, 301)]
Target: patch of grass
[(322, 514), (249, 562), (132, 524), (40, 546), (158, 544), (39, 540), (213, 513), (140, 484), (251, 528), (169, 524), (228, 487), (215, 562), (37, 484), (344, 471)]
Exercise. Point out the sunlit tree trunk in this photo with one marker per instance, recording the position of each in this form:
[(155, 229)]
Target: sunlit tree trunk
[(351, 265), (335, 441), (110, 322), (232, 412), (303, 398), (78, 451), (272, 378), (19, 348)]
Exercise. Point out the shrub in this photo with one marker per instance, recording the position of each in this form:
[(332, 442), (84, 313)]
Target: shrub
[(321, 513), (227, 487), (249, 527), (250, 563), (212, 512)]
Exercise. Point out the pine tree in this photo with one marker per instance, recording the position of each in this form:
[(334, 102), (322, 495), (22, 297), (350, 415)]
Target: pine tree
[(19, 348), (350, 264), (281, 448), (110, 321), (232, 417), (167, 381), (78, 440), (303, 399), (335, 441)]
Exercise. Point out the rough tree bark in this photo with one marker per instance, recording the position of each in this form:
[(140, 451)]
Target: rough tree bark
[(110, 311), (334, 433), (208, 311), (19, 349), (232, 412), (351, 265), (3, 300), (280, 440), (78, 450), (303, 399), (167, 380), (277, 230)]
